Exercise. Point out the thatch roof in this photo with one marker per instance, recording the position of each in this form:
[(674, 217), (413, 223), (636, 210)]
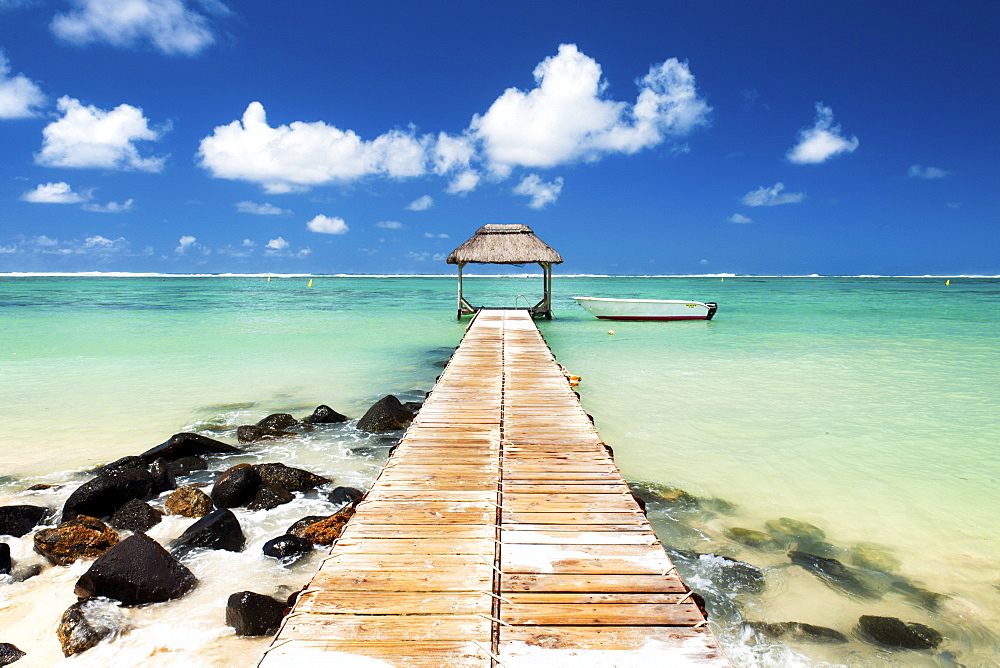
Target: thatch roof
[(504, 244)]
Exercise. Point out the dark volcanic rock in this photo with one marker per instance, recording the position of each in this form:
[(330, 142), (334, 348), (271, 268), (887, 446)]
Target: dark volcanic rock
[(163, 475), (186, 465), (219, 530), (386, 414), (6, 563), (751, 538), (135, 571), (287, 547), (186, 445), (894, 632), (324, 415), (253, 614), (79, 538), (835, 574), (130, 462), (787, 529), (799, 632), (19, 520), (88, 622), (292, 479), (278, 421), (248, 433), (189, 502), (9, 654), (236, 487), (729, 575), (136, 515), (342, 496), (299, 526), (106, 493), (270, 496)]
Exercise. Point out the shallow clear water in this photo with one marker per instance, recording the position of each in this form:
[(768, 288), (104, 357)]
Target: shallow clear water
[(865, 406)]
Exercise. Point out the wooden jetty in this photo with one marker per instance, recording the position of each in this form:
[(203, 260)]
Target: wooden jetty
[(499, 533)]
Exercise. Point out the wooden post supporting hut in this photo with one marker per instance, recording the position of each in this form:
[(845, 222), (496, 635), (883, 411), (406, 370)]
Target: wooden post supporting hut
[(507, 244)]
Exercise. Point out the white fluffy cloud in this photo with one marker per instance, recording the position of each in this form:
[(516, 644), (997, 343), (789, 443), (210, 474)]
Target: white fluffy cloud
[(170, 26), (772, 196), (327, 225), (918, 172), (277, 244), (19, 96), (822, 141), (421, 203), (567, 118), (295, 157), (739, 218), (265, 209), (110, 207), (86, 136), (540, 192), (95, 247), (54, 193)]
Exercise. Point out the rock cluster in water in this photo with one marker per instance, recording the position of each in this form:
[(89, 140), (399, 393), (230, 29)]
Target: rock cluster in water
[(871, 572), (135, 569)]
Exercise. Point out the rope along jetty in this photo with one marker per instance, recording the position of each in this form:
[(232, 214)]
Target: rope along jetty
[(500, 532)]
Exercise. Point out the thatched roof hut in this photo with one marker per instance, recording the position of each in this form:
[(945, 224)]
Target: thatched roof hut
[(506, 244)]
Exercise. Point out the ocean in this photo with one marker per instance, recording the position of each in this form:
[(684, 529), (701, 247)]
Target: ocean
[(866, 407)]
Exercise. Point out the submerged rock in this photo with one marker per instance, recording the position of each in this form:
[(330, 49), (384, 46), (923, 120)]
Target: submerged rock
[(728, 575), (253, 614), (135, 571), (9, 654), (189, 502), (751, 538), (287, 547), (672, 497), (88, 622), (136, 515), (799, 632), (924, 598), (18, 520), (894, 632), (292, 479), (187, 444), (249, 433), (324, 415), (386, 414), (236, 486), (278, 421), (835, 574), (717, 505), (108, 492), (785, 528), (80, 538), (219, 530), (270, 496), (873, 557)]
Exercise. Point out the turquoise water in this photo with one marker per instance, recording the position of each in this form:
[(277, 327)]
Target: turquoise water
[(867, 407)]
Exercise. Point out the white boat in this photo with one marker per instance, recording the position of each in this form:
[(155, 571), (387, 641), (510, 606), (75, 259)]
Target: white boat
[(647, 309)]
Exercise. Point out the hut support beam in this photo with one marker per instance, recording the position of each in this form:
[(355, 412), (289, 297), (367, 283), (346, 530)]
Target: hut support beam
[(464, 307), (544, 307)]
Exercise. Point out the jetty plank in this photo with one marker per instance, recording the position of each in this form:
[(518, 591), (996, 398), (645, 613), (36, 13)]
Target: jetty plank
[(500, 532)]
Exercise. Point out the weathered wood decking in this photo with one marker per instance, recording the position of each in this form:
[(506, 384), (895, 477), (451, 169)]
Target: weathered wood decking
[(499, 533)]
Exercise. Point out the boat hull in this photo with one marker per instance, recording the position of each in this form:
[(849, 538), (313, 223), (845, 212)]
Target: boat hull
[(647, 309)]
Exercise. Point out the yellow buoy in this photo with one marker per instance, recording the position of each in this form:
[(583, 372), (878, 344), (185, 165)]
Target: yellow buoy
[(722, 280), (310, 283), (948, 282), (268, 279), (611, 332)]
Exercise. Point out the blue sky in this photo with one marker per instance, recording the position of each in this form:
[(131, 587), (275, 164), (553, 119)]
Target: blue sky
[(648, 137)]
